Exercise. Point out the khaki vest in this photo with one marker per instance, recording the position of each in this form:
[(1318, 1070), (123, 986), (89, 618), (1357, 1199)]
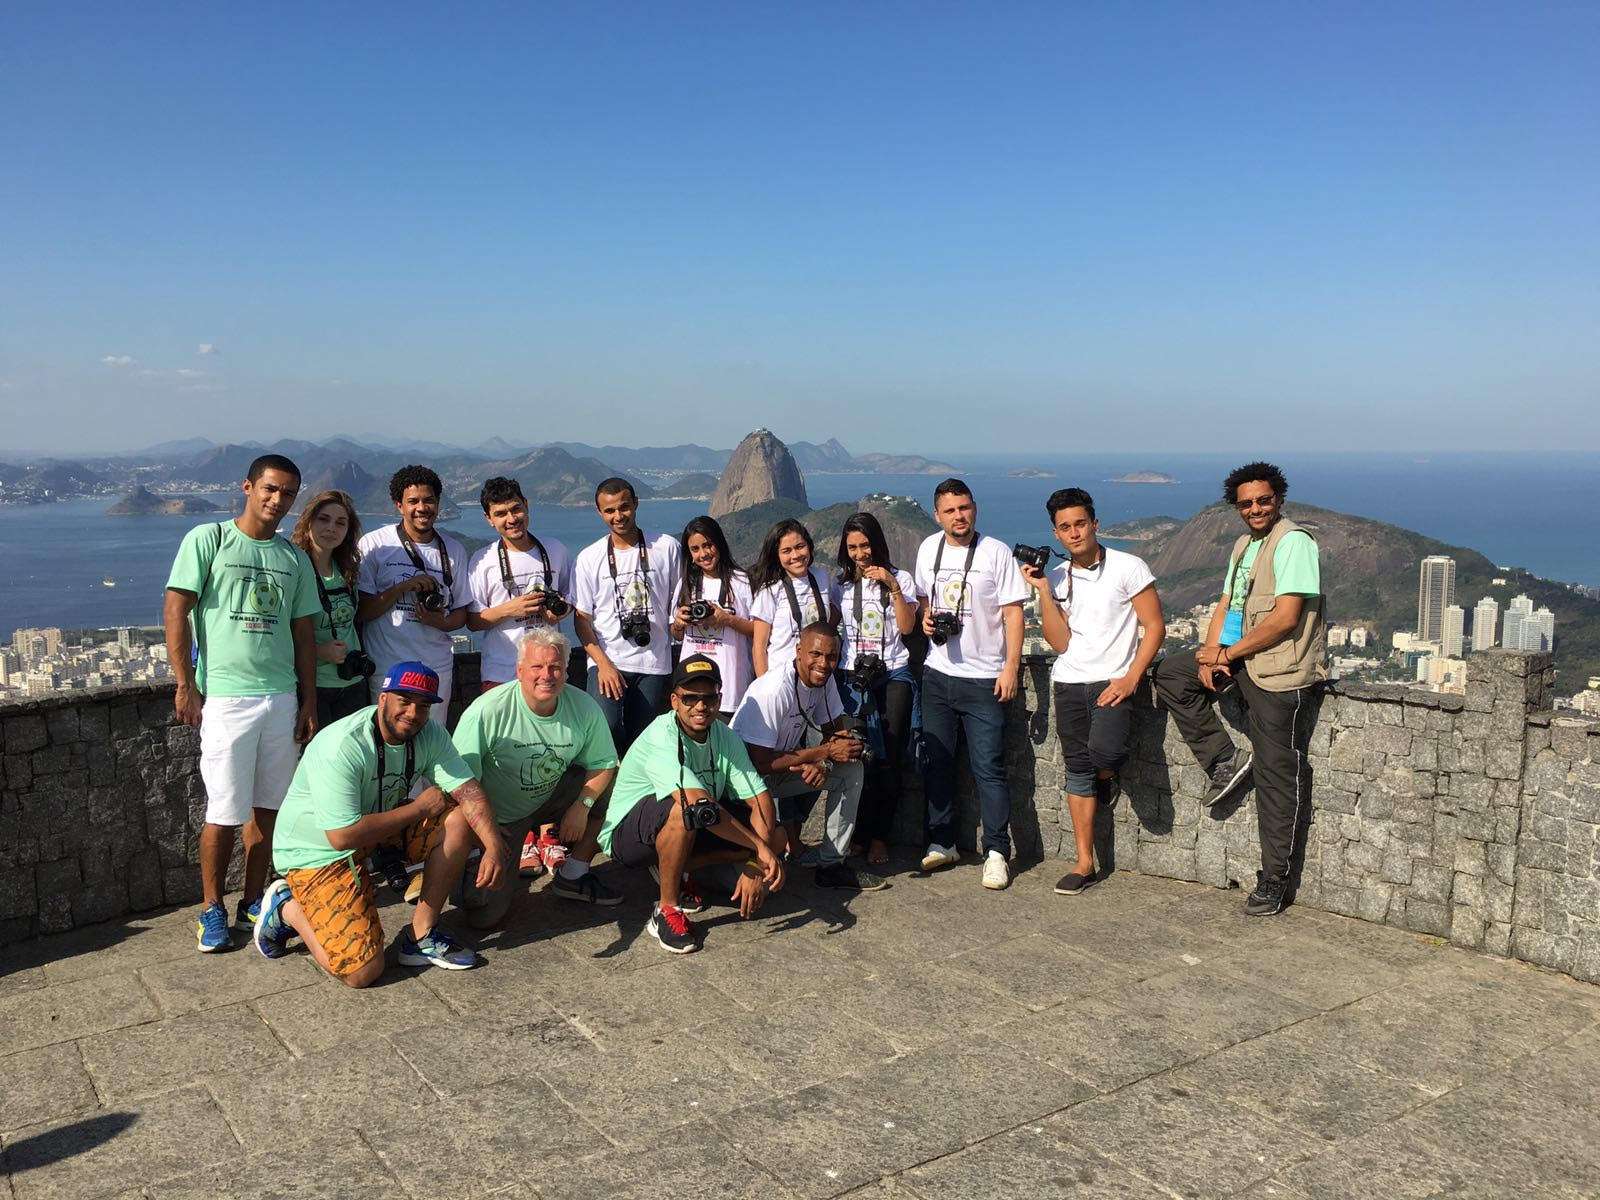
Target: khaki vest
[(1300, 658)]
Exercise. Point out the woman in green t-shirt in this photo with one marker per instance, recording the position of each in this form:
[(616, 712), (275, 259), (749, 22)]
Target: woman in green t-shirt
[(328, 530)]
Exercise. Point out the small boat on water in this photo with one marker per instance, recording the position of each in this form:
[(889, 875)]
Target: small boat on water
[(108, 582)]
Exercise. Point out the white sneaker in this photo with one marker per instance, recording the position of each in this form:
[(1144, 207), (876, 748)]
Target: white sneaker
[(939, 856), (996, 874)]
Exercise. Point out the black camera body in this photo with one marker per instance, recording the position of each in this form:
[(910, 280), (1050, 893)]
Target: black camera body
[(868, 671), (701, 814), (700, 611), (357, 665), (855, 727), (554, 603), (946, 625), (1037, 557), (432, 600), (636, 628)]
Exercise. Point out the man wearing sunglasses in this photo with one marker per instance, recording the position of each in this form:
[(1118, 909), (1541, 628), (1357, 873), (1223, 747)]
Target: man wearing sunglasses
[(686, 796), (1267, 635)]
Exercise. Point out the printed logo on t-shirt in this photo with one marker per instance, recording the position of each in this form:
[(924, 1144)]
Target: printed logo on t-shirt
[(953, 592), (635, 595), (392, 791), (540, 771), (869, 633), (344, 612)]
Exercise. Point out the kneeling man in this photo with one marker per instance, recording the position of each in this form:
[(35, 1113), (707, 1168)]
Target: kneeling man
[(348, 795)]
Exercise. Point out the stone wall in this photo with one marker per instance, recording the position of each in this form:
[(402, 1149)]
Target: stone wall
[(1474, 818)]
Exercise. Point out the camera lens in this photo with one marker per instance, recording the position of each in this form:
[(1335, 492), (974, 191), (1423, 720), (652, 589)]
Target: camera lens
[(699, 612), (432, 601)]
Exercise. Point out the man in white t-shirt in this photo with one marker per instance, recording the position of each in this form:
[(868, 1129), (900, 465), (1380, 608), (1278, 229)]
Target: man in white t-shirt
[(794, 725), (510, 583), (623, 589), (413, 586), (973, 619), (1101, 615)]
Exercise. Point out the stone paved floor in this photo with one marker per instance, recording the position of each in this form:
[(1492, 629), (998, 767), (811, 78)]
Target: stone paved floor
[(1141, 1040)]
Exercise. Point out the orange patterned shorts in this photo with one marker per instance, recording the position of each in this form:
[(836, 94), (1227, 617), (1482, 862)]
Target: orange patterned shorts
[(341, 902)]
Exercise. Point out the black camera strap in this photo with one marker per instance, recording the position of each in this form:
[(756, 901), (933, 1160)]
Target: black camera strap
[(711, 759), (1093, 572), (416, 558), (794, 600), (378, 771), (694, 580), (801, 708), (644, 572), (505, 566), (938, 558), (324, 595)]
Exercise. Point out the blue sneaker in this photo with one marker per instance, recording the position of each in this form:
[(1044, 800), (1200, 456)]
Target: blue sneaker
[(272, 932), (213, 930), (246, 915), (436, 949)]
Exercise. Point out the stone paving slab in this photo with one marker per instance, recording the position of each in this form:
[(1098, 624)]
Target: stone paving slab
[(933, 1040)]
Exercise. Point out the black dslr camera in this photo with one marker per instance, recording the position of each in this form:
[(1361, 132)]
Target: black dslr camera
[(855, 727), (946, 625), (700, 612), (702, 814), (868, 671), (433, 601), (636, 628), (1037, 557), (554, 604), (356, 665)]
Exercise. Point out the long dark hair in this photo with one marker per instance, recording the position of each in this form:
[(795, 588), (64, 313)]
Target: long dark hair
[(767, 570), (708, 528), (867, 524), (346, 556)]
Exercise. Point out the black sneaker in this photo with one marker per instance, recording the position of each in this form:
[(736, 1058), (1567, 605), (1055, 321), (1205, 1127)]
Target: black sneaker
[(585, 888), (389, 862), (1226, 776), (843, 875), (673, 930), (1107, 790), (1073, 883), (1269, 897)]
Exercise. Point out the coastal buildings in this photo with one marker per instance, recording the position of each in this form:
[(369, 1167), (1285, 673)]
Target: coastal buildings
[(1485, 618), (1436, 591), (1452, 629)]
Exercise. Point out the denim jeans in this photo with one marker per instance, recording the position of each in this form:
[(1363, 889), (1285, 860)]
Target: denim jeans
[(892, 703), (952, 705), (640, 704)]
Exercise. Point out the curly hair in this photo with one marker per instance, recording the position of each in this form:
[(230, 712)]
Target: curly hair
[(1256, 472), (347, 554), (414, 476)]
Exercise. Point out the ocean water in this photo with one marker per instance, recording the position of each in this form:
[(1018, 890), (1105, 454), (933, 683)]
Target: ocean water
[(1537, 511)]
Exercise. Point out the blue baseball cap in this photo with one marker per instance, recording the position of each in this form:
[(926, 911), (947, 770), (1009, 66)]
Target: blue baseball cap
[(413, 679)]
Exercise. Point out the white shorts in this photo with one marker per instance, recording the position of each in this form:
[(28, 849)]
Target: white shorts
[(247, 754), (436, 712)]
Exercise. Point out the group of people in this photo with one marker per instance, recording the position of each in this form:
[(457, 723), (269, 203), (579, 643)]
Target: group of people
[(716, 707)]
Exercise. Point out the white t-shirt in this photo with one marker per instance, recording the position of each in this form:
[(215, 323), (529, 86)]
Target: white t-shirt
[(397, 635), (876, 632), (771, 604), (486, 588), (605, 601), (1105, 629), (993, 582), (776, 708), (730, 649)]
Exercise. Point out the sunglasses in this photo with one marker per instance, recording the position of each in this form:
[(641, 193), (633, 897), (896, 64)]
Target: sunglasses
[(699, 699), (1259, 502)]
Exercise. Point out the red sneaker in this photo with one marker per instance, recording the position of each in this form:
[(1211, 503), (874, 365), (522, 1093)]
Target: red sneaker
[(673, 930), (551, 852), (530, 864)]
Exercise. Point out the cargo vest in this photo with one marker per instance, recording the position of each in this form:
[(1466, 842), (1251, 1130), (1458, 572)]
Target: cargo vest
[(1300, 658)]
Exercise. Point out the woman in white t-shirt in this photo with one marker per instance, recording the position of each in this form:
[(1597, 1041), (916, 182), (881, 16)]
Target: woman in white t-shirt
[(878, 605), (790, 594), (710, 574)]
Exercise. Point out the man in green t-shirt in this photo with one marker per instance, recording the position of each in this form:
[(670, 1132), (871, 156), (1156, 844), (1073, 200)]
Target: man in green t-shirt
[(687, 796), (253, 688), (350, 794), (543, 752)]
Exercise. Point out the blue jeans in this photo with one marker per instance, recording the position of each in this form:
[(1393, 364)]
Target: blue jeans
[(952, 705), (640, 703)]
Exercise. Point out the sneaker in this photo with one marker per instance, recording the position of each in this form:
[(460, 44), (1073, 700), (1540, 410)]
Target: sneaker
[(272, 932), (530, 865), (810, 856), (436, 948), (1270, 896), (414, 888), (1073, 883), (552, 853), (586, 887), (212, 930), (1107, 791), (843, 875), (690, 899), (389, 862), (672, 929), (939, 856), (1226, 776), (996, 874), (245, 916)]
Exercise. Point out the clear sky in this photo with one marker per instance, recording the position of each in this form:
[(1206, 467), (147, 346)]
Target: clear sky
[(915, 226)]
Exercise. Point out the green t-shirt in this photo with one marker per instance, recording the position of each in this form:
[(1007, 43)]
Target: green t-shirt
[(1295, 568), (341, 626), (519, 756), (248, 591), (719, 766), (336, 784)]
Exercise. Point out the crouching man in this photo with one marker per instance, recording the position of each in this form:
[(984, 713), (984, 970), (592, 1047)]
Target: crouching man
[(685, 797), (348, 795)]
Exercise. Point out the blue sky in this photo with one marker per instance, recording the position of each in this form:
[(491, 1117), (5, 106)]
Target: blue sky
[(918, 227)]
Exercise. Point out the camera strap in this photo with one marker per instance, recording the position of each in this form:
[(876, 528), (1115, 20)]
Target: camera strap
[(938, 558), (416, 558), (324, 595), (505, 566), (711, 759), (1093, 572), (694, 580), (801, 708), (794, 600), (378, 771), (644, 572)]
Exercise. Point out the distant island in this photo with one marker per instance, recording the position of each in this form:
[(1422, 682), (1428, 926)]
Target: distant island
[(1143, 477), (1030, 473), (1140, 529), (142, 502)]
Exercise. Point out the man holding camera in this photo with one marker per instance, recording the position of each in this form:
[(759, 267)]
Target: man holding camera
[(517, 584), (794, 725), (1101, 615), (974, 620), (350, 794), (624, 585), (687, 796), (411, 599), (253, 689), (1267, 635), (543, 753)]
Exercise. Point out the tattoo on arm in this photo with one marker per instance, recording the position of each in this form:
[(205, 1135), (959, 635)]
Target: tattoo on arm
[(474, 804)]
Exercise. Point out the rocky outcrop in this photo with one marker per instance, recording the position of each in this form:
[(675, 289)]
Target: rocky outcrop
[(141, 502), (761, 469)]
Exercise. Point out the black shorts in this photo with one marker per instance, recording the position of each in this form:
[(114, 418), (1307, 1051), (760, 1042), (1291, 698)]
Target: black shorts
[(633, 841)]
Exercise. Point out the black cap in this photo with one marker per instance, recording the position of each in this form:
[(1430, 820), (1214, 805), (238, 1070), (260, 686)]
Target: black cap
[(697, 667)]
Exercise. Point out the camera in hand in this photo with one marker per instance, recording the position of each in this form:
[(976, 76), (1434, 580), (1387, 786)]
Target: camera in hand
[(636, 628), (356, 665), (946, 625), (433, 601), (868, 671), (1037, 557), (554, 603), (700, 611), (856, 729), (702, 814)]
